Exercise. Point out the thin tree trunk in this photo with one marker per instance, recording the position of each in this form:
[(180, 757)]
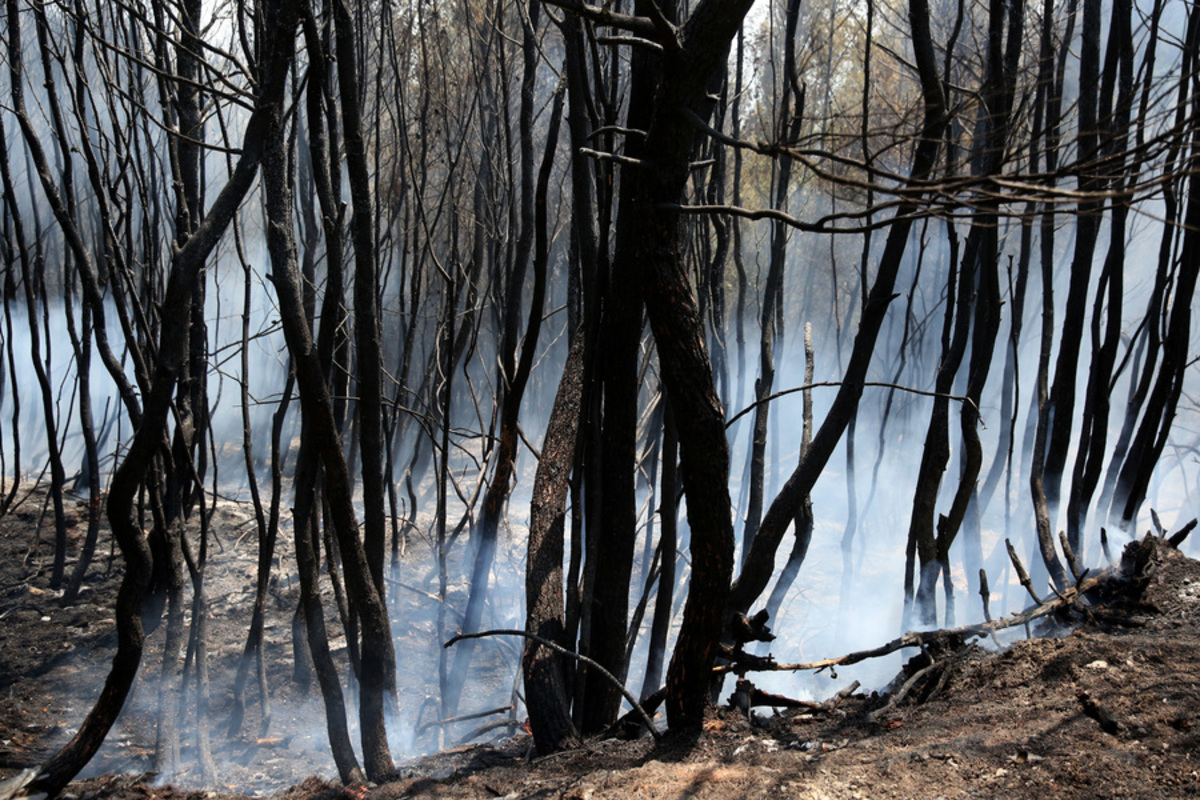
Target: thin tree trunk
[(546, 694)]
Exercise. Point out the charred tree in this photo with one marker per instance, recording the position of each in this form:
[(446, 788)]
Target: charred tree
[(545, 674)]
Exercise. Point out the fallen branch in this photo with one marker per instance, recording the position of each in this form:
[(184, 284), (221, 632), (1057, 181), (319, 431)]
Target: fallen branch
[(837, 699), (413, 589), (985, 595), (1022, 575), (488, 727), (747, 696), (1108, 723), (437, 723), (925, 639), (1069, 552), (558, 648), (902, 693), (627, 725)]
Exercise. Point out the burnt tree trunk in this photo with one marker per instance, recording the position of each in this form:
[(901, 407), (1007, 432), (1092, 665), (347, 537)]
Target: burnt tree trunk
[(693, 66), (546, 693)]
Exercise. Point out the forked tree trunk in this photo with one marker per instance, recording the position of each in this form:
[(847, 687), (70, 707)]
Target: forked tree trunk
[(692, 66)]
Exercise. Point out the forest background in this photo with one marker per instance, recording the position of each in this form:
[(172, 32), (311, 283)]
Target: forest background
[(644, 287)]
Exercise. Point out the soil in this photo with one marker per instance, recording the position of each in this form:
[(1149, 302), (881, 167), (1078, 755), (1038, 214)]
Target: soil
[(1102, 701)]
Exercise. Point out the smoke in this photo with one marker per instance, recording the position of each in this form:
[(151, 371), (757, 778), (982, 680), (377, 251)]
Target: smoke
[(850, 591)]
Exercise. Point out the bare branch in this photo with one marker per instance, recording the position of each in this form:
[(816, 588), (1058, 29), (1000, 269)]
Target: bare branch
[(885, 385), (632, 41), (603, 156), (666, 29), (558, 648), (603, 16)]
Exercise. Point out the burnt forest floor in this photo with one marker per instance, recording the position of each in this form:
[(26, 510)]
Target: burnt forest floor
[(1109, 707)]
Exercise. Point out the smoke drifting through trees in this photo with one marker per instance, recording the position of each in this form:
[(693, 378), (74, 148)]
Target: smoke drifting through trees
[(410, 263)]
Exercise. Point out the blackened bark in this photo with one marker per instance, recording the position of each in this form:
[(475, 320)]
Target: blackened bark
[(378, 676), (979, 302), (804, 519), (770, 327), (42, 363), (267, 527), (1151, 437), (81, 341), (1151, 332), (308, 566), (1052, 99), (611, 541), (922, 534), (668, 512), (516, 372), (1107, 308), (546, 694), (317, 409), (1087, 227), (691, 70)]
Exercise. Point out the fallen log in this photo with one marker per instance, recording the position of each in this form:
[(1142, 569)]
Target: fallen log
[(437, 723)]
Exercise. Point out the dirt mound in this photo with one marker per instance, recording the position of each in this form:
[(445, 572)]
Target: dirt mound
[(1108, 707)]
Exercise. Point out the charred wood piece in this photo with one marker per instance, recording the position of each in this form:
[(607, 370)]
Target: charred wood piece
[(1022, 575), (1104, 546), (631, 724), (985, 595), (921, 677), (1137, 562), (1069, 552), (741, 662), (747, 696), (1178, 537), (751, 629), (837, 699), (1108, 723)]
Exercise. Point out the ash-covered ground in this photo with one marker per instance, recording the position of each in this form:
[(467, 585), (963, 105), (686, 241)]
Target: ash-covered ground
[(1107, 706)]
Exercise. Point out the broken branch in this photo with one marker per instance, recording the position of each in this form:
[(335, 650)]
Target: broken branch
[(1178, 537), (932, 638), (1022, 575)]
